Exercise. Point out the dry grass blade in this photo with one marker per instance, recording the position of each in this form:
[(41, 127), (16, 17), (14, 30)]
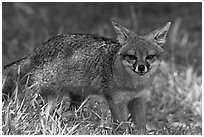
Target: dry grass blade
[(72, 130)]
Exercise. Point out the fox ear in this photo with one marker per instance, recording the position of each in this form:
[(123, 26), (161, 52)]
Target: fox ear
[(159, 35), (122, 32)]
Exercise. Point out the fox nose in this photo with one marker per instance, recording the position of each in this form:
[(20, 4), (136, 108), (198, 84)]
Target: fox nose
[(141, 68)]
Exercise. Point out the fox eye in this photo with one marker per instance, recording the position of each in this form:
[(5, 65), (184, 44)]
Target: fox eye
[(150, 57), (131, 57)]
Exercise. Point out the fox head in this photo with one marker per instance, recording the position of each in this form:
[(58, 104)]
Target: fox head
[(140, 55)]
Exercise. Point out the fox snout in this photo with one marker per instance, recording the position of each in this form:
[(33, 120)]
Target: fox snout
[(140, 69)]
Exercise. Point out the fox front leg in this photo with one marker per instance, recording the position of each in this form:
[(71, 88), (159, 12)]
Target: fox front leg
[(119, 113), (137, 110)]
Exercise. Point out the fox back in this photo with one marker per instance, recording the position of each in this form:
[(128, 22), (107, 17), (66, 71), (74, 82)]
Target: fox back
[(85, 64)]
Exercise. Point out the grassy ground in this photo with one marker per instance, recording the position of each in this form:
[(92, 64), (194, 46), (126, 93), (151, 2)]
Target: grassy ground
[(173, 103)]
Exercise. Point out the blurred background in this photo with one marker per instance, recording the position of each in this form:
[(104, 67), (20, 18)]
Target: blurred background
[(25, 25)]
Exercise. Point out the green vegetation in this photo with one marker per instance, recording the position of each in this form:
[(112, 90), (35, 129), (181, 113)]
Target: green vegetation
[(174, 101)]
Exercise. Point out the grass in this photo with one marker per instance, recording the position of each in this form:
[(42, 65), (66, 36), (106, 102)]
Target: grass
[(173, 102)]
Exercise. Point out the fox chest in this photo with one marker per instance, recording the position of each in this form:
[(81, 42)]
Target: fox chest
[(124, 96)]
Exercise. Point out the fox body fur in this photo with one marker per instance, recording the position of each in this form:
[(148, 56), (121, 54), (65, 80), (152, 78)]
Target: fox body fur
[(84, 64)]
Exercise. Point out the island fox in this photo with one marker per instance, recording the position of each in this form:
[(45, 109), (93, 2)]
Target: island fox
[(84, 64)]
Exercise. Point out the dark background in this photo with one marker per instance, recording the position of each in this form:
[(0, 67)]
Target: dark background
[(26, 25)]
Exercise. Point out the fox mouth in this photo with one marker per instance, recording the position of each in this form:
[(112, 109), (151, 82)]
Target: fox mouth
[(141, 73)]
